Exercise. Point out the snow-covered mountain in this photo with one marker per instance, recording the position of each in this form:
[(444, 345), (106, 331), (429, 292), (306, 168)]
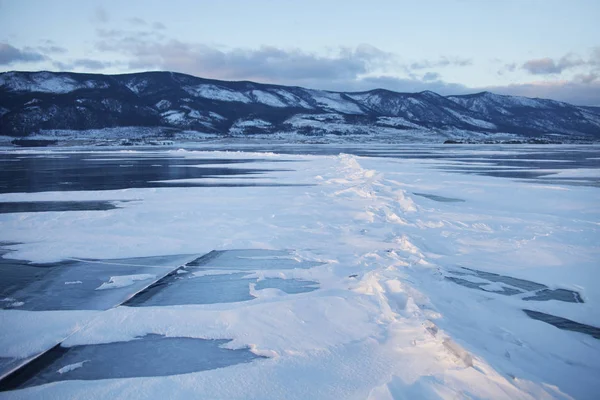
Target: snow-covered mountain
[(34, 102)]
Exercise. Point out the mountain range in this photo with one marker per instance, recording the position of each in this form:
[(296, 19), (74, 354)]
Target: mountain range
[(34, 103)]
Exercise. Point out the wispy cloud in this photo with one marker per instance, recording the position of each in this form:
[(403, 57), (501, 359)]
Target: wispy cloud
[(100, 15), (83, 63), (49, 49), (507, 68), (137, 21), (431, 76), (441, 63), (158, 25)]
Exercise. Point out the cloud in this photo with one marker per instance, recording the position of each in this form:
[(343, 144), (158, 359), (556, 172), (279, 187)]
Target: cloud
[(48, 46), (582, 87), (587, 78), (100, 15), (119, 39), (574, 92), (548, 66), (137, 21), (512, 67), (51, 49), (83, 63), (266, 63), (110, 33), (542, 66), (440, 63), (10, 54), (141, 23), (431, 76), (595, 57)]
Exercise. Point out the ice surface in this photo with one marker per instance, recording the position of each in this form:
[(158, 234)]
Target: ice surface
[(124, 280), (51, 287), (384, 321), (217, 277), (150, 355), (252, 260), (290, 286), (43, 206), (111, 172), (209, 289), (439, 198), (564, 323)]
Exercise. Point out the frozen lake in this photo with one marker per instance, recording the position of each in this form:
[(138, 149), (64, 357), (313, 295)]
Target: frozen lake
[(300, 271), (73, 171)]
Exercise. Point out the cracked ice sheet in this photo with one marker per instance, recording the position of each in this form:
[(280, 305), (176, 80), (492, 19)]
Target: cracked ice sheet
[(377, 323), (329, 348), (26, 333)]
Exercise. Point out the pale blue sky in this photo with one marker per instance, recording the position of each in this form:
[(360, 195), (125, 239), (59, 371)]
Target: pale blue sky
[(545, 48)]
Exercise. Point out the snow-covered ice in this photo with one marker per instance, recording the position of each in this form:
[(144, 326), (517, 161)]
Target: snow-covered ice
[(124, 280), (385, 238)]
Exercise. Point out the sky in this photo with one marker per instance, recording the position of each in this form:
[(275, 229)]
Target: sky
[(534, 48)]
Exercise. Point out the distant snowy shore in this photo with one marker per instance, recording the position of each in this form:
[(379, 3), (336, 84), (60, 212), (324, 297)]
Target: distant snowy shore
[(143, 136)]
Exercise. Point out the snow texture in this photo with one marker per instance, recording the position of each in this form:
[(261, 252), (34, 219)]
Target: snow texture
[(385, 322), (215, 92), (335, 102)]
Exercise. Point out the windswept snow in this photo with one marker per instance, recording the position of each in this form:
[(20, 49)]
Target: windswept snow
[(292, 99), (214, 92), (44, 82), (489, 103), (472, 121), (245, 126), (137, 85), (264, 97), (163, 105), (174, 116), (396, 121), (216, 116), (334, 102)]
